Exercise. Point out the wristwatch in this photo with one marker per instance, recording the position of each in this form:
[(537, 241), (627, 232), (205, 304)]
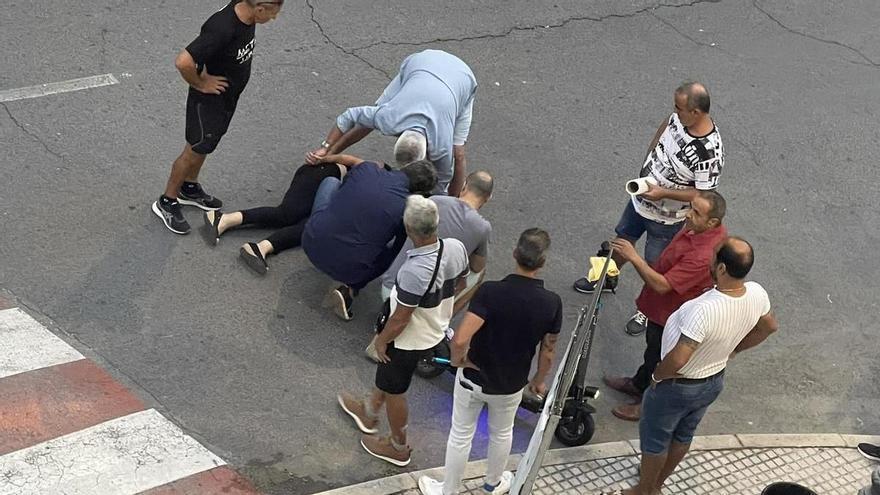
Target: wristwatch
[(325, 144)]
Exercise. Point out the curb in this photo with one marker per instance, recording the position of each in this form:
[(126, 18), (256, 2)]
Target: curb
[(409, 481)]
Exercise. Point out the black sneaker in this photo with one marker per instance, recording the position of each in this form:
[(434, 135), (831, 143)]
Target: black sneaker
[(870, 451), (637, 324), (171, 216), (200, 199), (587, 286)]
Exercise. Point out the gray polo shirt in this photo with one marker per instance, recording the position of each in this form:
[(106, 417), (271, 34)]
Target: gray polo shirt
[(458, 221), (431, 317)]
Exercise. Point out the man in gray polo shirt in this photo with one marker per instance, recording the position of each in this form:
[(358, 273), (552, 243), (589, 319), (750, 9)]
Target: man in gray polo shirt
[(459, 219), (421, 307)]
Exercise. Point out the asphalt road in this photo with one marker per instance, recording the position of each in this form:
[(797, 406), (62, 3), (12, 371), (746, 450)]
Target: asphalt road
[(570, 95)]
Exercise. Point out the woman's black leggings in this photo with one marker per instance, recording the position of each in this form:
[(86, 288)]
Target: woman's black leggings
[(291, 215)]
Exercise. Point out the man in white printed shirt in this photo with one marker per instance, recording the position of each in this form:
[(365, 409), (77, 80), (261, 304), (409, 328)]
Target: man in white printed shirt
[(686, 155), (698, 340)]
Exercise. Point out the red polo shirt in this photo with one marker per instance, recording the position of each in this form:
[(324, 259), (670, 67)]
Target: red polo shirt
[(685, 264)]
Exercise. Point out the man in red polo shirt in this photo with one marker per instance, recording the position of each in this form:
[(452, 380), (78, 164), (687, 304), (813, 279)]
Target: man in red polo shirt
[(679, 275)]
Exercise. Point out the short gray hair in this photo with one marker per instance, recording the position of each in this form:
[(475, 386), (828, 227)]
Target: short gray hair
[(421, 216), (531, 249), (410, 147)]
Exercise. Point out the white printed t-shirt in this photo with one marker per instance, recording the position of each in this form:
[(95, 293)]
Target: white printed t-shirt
[(680, 161)]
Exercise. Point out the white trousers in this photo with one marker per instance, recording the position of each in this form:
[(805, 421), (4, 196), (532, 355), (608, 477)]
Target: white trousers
[(467, 405)]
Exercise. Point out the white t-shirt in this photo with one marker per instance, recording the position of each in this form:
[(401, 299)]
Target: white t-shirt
[(718, 322), (680, 161)]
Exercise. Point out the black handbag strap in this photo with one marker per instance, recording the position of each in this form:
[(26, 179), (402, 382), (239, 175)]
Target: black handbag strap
[(434, 275)]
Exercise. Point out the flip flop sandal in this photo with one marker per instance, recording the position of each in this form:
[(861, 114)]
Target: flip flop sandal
[(212, 227), (254, 259)]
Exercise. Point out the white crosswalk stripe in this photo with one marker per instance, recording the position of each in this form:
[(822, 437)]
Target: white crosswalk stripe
[(26, 345), (123, 456)]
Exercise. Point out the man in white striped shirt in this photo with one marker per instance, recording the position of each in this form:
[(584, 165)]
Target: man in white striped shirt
[(698, 340)]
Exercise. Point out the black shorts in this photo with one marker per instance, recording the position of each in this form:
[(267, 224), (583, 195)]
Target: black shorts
[(395, 376), (207, 119)]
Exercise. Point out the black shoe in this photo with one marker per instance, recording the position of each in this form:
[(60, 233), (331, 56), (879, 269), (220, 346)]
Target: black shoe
[(199, 198), (870, 451), (255, 260), (341, 300), (637, 324), (212, 227), (171, 216), (588, 287)]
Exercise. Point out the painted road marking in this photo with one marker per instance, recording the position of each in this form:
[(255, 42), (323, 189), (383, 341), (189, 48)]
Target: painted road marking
[(57, 87), (27, 345), (124, 456), (220, 480), (50, 402)]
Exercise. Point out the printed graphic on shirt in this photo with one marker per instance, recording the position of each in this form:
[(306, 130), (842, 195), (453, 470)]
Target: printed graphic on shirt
[(680, 161), (245, 54)]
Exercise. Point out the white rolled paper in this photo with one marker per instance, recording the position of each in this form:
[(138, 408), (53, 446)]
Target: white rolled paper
[(639, 186)]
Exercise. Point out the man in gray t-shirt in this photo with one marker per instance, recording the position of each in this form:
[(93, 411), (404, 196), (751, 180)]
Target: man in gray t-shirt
[(459, 219)]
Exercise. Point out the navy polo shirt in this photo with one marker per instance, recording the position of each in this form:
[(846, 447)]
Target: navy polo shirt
[(517, 312), (361, 230)]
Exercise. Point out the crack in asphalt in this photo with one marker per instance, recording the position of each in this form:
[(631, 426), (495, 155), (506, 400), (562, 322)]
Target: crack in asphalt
[(29, 133), (870, 62), (340, 47), (533, 27)]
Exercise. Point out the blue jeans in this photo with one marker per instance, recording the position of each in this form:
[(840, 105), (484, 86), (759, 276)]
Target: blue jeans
[(673, 410), (326, 191), (632, 225)]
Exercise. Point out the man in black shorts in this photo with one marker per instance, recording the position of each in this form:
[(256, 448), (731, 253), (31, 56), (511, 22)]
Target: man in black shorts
[(420, 309), (217, 66)]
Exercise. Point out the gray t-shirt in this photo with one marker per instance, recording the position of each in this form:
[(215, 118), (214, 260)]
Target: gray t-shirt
[(458, 221)]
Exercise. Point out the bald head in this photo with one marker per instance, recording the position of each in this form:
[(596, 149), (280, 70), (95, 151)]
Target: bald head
[(697, 95), (737, 255), (480, 184)]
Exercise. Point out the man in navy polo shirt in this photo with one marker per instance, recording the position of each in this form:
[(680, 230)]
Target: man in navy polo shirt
[(356, 227), (504, 324)]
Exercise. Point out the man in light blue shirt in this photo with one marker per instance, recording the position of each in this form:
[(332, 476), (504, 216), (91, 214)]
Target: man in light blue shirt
[(432, 97)]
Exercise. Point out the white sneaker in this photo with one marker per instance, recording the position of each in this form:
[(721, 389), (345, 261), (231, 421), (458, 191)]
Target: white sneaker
[(502, 487), (430, 486)]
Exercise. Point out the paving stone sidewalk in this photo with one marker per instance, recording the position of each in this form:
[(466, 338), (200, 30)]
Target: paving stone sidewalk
[(828, 464), (826, 471)]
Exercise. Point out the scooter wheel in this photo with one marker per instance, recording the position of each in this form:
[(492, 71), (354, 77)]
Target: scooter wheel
[(427, 368), (576, 426)]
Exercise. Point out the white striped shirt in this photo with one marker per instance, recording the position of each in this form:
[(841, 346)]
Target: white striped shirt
[(718, 322)]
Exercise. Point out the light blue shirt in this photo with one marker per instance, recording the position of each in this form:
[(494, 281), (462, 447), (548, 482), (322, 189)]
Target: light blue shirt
[(434, 94)]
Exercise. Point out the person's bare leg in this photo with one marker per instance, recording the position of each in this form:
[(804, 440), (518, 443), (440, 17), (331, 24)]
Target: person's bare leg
[(182, 169), (398, 415), (650, 471), (266, 247), (229, 220), (375, 401), (674, 456), (193, 174)]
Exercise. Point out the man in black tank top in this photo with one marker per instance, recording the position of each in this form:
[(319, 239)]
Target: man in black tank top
[(217, 66)]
